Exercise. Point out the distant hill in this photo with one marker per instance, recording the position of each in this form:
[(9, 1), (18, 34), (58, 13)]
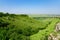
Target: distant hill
[(44, 15)]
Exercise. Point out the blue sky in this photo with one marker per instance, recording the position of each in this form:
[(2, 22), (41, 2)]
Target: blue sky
[(30, 6)]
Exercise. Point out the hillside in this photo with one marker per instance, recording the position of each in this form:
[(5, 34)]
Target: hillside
[(18, 27), (24, 27)]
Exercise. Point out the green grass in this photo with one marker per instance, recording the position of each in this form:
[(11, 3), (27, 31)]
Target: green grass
[(23, 27), (41, 35)]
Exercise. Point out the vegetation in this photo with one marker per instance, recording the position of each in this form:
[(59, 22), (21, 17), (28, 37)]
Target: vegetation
[(23, 27)]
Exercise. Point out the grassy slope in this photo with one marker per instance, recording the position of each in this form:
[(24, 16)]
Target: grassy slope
[(41, 35), (22, 27), (19, 27)]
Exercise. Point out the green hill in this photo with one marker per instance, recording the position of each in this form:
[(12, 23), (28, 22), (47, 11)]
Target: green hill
[(18, 27), (24, 27)]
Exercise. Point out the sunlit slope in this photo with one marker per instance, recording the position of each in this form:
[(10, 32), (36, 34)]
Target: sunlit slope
[(43, 34)]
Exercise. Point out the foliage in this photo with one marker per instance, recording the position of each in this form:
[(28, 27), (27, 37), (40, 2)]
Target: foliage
[(23, 27)]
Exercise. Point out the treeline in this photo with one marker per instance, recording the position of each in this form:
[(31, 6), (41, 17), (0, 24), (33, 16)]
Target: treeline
[(7, 14)]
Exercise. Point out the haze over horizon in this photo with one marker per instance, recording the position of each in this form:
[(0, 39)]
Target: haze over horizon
[(30, 6)]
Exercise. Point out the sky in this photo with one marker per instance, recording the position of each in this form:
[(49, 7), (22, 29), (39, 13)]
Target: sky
[(30, 6)]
